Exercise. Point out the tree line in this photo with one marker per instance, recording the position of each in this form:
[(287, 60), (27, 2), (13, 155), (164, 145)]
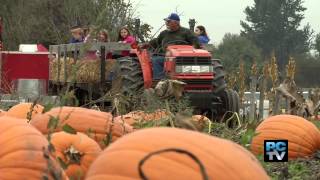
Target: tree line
[(273, 27), (48, 21)]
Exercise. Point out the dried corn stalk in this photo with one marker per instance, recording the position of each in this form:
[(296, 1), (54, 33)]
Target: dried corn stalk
[(273, 71), (262, 88), (291, 69), (253, 85), (231, 80), (242, 76), (274, 96)]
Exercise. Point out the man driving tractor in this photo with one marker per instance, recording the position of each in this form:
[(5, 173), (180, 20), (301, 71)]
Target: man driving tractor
[(175, 34)]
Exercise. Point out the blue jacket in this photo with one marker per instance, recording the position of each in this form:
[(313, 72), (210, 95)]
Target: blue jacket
[(73, 40), (203, 39)]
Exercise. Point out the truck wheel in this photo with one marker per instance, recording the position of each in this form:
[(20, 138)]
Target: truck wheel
[(218, 82), (128, 78)]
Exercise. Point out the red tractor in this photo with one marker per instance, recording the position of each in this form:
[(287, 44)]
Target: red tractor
[(203, 75)]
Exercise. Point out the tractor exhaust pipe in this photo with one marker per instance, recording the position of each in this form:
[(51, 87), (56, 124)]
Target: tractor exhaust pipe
[(192, 23)]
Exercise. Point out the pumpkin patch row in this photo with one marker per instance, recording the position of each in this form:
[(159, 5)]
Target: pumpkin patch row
[(89, 144)]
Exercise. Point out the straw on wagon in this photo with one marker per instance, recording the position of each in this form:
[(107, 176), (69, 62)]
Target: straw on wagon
[(83, 70)]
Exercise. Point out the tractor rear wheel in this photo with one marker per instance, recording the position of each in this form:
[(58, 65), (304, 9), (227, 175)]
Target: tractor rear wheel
[(218, 82), (128, 79), (230, 103)]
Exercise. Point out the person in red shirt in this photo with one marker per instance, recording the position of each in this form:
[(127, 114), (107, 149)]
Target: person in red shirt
[(101, 37)]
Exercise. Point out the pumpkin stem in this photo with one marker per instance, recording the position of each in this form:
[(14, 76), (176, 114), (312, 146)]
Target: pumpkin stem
[(181, 151), (72, 155)]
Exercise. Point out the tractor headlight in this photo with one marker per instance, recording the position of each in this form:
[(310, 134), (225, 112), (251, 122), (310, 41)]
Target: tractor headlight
[(193, 69)]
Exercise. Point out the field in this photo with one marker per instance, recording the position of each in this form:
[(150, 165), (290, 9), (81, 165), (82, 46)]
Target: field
[(147, 111)]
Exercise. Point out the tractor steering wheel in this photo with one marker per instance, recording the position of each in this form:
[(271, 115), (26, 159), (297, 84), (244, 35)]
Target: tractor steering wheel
[(165, 45)]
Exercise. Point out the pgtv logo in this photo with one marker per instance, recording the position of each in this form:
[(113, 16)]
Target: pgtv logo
[(275, 150)]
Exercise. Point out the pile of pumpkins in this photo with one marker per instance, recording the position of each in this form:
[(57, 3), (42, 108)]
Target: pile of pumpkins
[(80, 143)]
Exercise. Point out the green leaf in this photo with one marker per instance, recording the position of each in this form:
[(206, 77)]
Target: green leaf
[(90, 132), (67, 128), (53, 122), (47, 107), (107, 140), (247, 137), (62, 163)]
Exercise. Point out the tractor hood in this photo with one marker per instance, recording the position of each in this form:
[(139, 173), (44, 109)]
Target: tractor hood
[(186, 50)]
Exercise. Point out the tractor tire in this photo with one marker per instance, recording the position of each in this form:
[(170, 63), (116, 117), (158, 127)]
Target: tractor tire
[(218, 82), (229, 103), (128, 79), (235, 101)]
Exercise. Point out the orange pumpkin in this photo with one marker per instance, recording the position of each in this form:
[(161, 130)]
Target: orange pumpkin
[(96, 124), (77, 151), (200, 118), (303, 136), (160, 153), (21, 153), (2, 112), (200, 121), (21, 110), (135, 116)]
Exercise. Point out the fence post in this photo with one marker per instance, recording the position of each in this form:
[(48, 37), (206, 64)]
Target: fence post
[(65, 63), (262, 88), (241, 79), (253, 85), (102, 72), (276, 106)]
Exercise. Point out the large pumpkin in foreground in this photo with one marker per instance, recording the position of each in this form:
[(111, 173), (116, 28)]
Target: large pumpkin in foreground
[(303, 136), (183, 153), (77, 152), (2, 112), (95, 124), (21, 110), (21, 152)]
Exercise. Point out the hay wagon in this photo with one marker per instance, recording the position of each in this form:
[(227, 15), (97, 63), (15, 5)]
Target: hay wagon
[(85, 68)]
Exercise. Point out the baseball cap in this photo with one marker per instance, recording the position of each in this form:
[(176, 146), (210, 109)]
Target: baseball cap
[(172, 16)]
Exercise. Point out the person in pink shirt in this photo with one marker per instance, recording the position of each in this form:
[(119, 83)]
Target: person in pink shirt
[(125, 36)]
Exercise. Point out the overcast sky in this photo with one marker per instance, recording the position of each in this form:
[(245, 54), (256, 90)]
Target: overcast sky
[(219, 17)]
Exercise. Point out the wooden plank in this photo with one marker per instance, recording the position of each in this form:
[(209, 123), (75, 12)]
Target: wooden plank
[(102, 65), (276, 105), (253, 85), (110, 46), (262, 87)]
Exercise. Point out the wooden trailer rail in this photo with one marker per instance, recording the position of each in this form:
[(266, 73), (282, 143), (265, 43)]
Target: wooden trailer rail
[(78, 49)]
